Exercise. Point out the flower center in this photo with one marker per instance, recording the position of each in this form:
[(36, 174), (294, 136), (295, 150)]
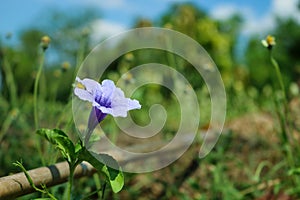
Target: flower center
[(103, 101), (80, 86)]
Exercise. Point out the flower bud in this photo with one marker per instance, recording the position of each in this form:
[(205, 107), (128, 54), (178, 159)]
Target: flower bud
[(45, 41), (65, 66), (129, 57)]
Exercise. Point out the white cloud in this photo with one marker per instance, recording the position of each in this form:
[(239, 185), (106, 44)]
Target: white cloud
[(254, 25), (278, 8), (98, 3), (103, 29), (258, 25), (286, 8), (223, 11), (283, 8), (108, 4)]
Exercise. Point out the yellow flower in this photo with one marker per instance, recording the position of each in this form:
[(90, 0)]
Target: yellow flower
[(65, 66), (129, 57), (269, 42), (45, 41)]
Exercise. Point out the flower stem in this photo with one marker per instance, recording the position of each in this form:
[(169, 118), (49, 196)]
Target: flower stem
[(284, 123), (70, 182), (279, 76), (87, 137), (283, 116), (35, 101), (35, 92), (72, 167)]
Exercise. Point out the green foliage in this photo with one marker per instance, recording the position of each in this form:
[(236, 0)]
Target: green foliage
[(260, 72), (103, 163), (68, 31), (228, 172), (286, 51), (217, 37), (43, 190), (70, 41), (61, 141), (75, 154)]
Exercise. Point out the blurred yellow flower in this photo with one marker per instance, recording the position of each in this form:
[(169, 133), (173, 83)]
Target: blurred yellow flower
[(65, 66), (45, 41), (57, 73), (269, 42), (128, 78), (129, 57)]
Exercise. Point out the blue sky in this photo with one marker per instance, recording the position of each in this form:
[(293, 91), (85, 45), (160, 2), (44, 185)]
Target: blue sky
[(118, 15)]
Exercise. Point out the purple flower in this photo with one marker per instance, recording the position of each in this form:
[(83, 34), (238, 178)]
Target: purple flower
[(106, 98)]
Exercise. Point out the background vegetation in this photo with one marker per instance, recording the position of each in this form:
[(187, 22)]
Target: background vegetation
[(248, 161)]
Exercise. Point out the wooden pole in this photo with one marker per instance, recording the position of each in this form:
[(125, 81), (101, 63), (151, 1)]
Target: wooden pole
[(17, 185)]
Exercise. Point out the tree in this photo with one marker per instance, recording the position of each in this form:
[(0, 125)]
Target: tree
[(217, 37)]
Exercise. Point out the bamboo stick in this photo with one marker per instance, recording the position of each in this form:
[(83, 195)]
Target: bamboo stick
[(17, 185)]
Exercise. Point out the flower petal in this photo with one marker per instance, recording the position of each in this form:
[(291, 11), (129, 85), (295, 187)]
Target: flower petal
[(106, 110), (87, 89), (105, 98), (90, 85), (133, 104), (121, 105), (264, 43), (84, 95), (96, 116), (108, 88)]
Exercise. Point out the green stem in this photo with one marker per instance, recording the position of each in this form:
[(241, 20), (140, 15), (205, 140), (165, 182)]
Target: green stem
[(70, 182), (35, 92), (103, 190), (29, 179), (35, 102), (87, 137), (10, 82), (72, 167), (283, 116), (284, 122), (279, 76), (98, 184)]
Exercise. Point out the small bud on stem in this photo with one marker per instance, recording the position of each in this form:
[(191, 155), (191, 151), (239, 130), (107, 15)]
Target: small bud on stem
[(45, 41)]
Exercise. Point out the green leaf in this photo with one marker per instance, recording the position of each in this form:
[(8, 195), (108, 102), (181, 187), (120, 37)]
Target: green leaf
[(294, 171), (118, 182), (113, 165), (61, 141), (78, 146), (108, 166)]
